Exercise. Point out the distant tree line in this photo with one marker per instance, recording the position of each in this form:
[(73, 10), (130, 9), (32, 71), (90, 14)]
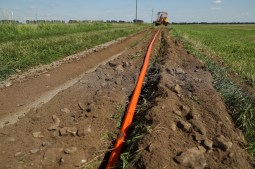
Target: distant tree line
[(44, 21), (85, 21), (137, 21), (70, 21), (183, 23), (114, 21), (9, 21)]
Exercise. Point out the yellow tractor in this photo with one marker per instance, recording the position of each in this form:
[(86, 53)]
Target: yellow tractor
[(162, 18)]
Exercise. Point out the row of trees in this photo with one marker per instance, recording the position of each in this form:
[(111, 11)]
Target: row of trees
[(113, 21), (183, 23), (9, 21), (70, 21), (43, 21)]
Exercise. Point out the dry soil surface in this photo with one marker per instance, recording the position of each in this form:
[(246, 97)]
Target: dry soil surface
[(68, 117)]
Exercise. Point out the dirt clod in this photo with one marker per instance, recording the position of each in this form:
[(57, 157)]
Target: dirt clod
[(173, 126), (198, 137), (70, 150), (81, 132), (65, 110), (61, 161), (186, 126), (35, 150), (208, 144), (185, 109), (53, 154), (126, 64), (198, 126), (177, 89), (179, 71), (80, 163), (38, 135), (63, 131), (170, 71), (119, 68), (56, 123), (222, 143), (81, 106), (193, 158), (8, 84), (18, 154), (72, 130), (177, 112), (46, 143)]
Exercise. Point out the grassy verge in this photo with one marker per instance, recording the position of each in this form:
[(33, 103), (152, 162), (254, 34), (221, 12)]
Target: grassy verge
[(15, 32), (232, 45), (240, 104), (33, 50)]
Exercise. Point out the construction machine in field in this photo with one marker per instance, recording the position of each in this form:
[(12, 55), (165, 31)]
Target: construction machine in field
[(162, 19)]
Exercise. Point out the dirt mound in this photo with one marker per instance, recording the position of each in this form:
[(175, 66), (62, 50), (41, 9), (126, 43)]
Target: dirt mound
[(190, 126)]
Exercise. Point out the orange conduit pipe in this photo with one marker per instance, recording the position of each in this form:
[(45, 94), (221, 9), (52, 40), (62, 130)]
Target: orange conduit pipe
[(114, 158)]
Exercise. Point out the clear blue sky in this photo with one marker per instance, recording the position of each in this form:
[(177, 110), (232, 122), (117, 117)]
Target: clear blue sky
[(179, 10)]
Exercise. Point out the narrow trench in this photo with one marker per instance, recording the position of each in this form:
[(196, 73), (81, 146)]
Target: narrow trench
[(147, 100)]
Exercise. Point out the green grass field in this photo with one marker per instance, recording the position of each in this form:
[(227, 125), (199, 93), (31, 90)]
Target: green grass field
[(24, 46), (231, 45)]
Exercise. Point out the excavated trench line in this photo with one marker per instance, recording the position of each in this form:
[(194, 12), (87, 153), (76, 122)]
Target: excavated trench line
[(149, 93)]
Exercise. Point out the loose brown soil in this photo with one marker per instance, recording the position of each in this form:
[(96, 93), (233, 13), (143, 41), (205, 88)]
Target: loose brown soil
[(189, 119), (76, 128)]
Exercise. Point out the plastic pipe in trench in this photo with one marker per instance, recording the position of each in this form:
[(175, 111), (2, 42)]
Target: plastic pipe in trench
[(113, 160)]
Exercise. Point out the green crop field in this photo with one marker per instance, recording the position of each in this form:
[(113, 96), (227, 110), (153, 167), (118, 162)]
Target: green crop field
[(231, 45), (24, 46)]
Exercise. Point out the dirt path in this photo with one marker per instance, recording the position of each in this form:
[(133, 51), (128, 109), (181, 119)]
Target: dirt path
[(188, 122), (39, 88)]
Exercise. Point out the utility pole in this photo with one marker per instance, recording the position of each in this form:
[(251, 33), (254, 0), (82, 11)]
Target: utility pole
[(136, 12), (12, 15), (152, 15)]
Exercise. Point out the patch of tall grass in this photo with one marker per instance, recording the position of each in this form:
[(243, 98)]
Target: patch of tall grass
[(15, 32), (234, 46), (42, 44)]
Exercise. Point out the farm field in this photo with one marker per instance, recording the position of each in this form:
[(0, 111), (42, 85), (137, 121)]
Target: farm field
[(69, 115), (24, 46), (231, 45)]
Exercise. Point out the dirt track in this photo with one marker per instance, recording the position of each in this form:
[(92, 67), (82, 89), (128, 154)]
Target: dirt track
[(190, 126)]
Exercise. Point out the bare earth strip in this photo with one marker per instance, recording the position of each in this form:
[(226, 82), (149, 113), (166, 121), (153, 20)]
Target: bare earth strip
[(23, 95)]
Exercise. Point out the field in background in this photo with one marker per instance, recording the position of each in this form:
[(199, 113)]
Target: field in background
[(232, 45), (24, 46)]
